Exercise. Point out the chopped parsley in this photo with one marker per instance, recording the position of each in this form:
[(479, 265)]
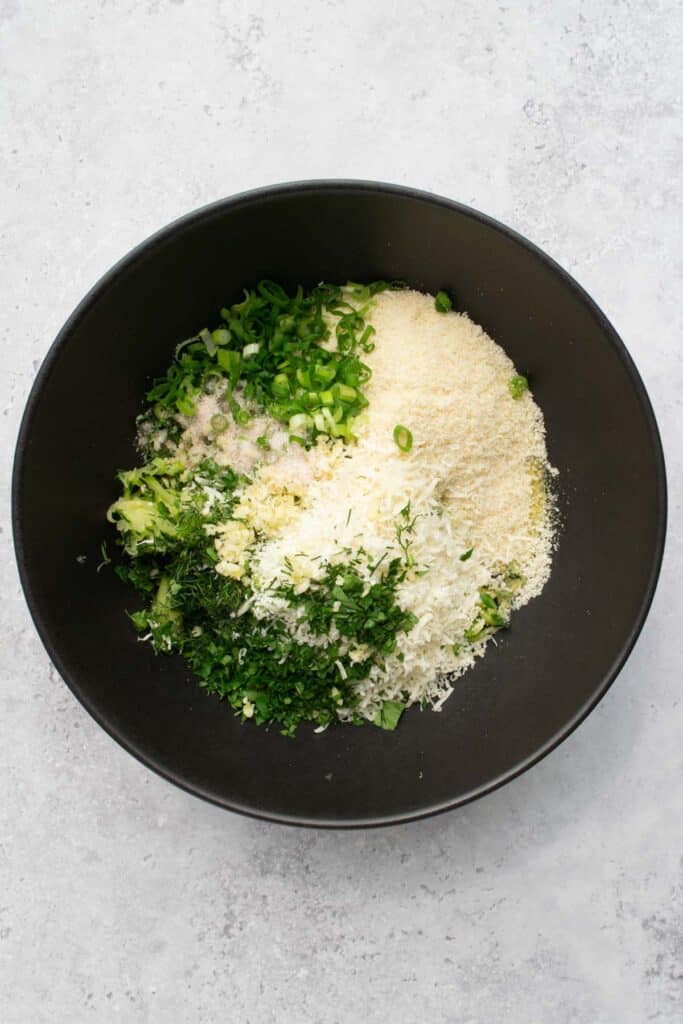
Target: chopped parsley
[(388, 715)]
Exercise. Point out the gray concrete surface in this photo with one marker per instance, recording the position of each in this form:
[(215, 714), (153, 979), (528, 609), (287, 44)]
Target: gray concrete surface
[(558, 899)]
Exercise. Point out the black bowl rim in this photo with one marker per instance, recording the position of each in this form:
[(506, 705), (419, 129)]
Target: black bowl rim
[(126, 263)]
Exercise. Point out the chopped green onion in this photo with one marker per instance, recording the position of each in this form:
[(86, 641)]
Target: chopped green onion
[(300, 423), (517, 385), (324, 374), (230, 361), (282, 354), (273, 292), (280, 385), (263, 442), (344, 392), (403, 438), (442, 302), (467, 555), (358, 291), (185, 406), (310, 400), (280, 412), (364, 341), (329, 420), (219, 423), (221, 336), (208, 341), (237, 328), (183, 344)]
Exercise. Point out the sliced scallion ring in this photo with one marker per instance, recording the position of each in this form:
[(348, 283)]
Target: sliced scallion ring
[(403, 437), (219, 423)]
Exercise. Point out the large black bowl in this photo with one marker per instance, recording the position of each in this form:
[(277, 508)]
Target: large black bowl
[(563, 650)]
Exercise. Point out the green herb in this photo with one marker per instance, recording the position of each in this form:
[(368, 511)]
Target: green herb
[(494, 613), (442, 302), (366, 615), (256, 665), (404, 531), (388, 715), (272, 353), (403, 438), (467, 555), (517, 385)]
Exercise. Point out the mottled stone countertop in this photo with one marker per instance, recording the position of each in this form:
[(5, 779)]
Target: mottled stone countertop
[(557, 899)]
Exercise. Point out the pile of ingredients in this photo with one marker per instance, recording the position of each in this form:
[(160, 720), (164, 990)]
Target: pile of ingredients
[(343, 497)]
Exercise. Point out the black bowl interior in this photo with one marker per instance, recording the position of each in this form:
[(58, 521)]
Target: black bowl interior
[(564, 648)]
